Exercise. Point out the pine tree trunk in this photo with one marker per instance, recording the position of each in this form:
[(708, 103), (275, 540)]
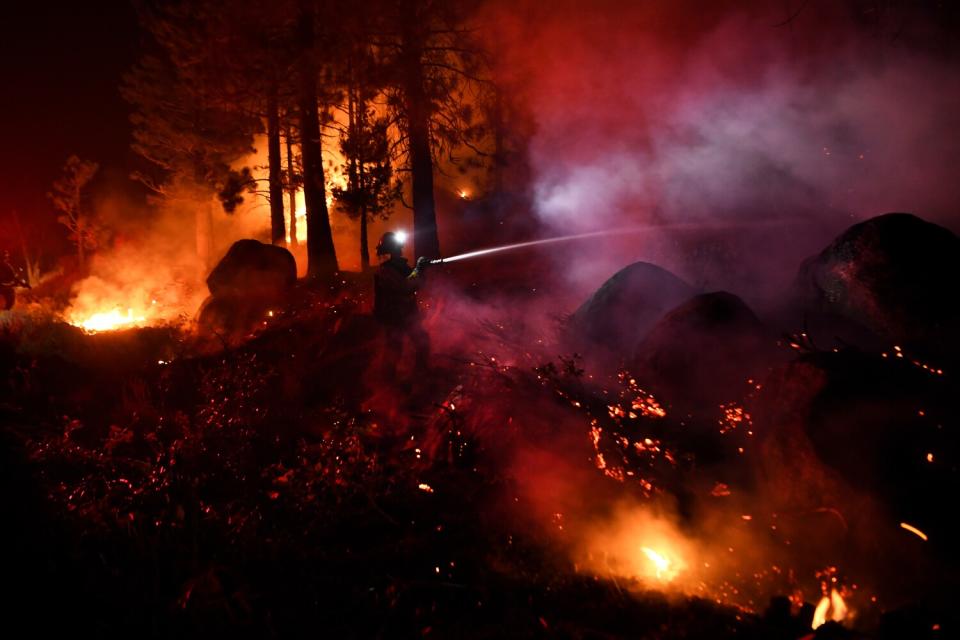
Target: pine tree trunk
[(278, 231), (364, 242), (425, 239), (291, 190), (355, 171), (321, 254)]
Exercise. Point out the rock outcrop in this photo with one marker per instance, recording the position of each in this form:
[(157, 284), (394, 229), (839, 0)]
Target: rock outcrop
[(621, 312), (894, 275)]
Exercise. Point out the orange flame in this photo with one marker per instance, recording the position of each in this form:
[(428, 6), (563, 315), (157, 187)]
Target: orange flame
[(830, 608), (108, 321), (661, 563)]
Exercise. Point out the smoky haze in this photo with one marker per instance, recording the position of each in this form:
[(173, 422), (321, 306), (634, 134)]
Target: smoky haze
[(731, 149), (767, 137)]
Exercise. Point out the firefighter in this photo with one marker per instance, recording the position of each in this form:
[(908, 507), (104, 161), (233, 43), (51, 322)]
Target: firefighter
[(395, 303), (8, 280)]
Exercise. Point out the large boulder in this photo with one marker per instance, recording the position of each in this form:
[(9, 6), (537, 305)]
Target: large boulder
[(703, 352), (251, 267), (894, 275), (245, 286), (619, 314), (874, 422), (852, 444)]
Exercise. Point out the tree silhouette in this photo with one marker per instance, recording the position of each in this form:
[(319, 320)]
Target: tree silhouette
[(371, 190), (314, 39), (181, 126), (68, 197), (435, 65), (224, 71)]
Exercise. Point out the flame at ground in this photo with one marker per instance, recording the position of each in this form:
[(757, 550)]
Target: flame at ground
[(108, 320), (129, 289), (104, 305), (663, 565), (640, 546), (830, 608)]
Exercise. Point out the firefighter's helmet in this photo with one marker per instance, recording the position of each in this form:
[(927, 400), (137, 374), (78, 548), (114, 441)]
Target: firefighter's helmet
[(390, 244)]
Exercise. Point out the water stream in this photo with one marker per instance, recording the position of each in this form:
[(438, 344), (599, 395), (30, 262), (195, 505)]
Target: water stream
[(606, 232)]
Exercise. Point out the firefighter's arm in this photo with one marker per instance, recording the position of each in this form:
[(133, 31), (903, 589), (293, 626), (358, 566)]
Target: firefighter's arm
[(418, 271)]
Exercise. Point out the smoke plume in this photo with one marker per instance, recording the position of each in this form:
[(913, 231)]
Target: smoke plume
[(724, 116)]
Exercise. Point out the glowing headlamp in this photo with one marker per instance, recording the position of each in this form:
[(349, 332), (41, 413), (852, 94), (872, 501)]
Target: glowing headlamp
[(401, 236)]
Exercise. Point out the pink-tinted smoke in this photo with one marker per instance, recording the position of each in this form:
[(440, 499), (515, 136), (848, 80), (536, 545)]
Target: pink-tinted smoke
[(667, 112)]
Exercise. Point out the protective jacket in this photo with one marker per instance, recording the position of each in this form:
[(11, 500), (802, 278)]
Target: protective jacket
[(394, 287), (8, 277), (8, 280)]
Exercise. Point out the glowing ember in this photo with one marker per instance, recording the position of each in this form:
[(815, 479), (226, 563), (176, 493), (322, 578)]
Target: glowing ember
[(733, 417), (898, 352), (912, 529), (464, 194), (830, 608), (108, 321), (720, 490)]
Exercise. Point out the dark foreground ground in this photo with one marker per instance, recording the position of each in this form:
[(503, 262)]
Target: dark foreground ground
[(159, 485)]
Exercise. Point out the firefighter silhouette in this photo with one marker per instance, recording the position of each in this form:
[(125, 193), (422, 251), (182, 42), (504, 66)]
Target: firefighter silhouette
[(8, 280), (395, 287)]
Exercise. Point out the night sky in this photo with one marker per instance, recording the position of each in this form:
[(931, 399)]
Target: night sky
[(62, 68)]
